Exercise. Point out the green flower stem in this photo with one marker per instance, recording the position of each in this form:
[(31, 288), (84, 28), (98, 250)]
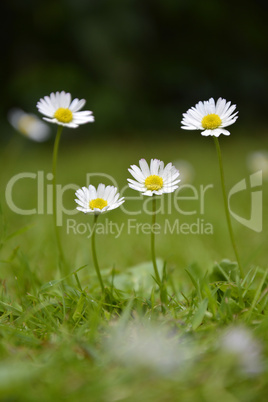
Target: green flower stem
[(157, 276), (94, 254), (227, 213), (54, 171)]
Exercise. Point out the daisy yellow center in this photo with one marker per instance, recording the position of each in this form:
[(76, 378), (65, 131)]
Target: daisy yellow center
[(63, 115), (211, 121), (99, 203), (154, 182)]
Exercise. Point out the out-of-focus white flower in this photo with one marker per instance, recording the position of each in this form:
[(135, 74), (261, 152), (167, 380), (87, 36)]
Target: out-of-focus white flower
[(239, 342), (186, 169), (258, 161), (29, 125), (210, 116), (150, 347), (60, 109)]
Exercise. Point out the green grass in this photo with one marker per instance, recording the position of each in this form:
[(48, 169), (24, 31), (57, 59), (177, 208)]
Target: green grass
[(60, 340)]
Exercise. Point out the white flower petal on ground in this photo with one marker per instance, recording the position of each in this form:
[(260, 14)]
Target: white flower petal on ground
[(153, 179), (210, 116), (60, 109), (150, 347), (29, 125), (96, 201)]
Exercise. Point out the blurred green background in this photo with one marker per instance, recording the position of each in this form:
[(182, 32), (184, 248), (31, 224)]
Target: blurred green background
[(139, 64)]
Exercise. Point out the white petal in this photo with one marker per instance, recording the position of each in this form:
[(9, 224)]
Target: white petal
[(228, 112), (170, 189), (161, 168), (148, 192), (220, 105), (136, 184), (154, 166), (50, 120), (189, 128), (137, 174), (144, 167), (77, 122), (230, 122), (92, 192), (207, 133), (77, 104), (134, 187), (65, 99), (222, 131), (100, 190)]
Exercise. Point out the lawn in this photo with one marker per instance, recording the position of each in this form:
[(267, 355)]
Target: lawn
[(62, 340)]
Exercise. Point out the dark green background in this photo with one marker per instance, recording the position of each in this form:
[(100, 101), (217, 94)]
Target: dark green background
[(139, 63)]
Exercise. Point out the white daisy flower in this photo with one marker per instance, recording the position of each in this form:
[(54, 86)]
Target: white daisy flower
[(210, 117), (59, 109), (29, 125), (155, 179), (96, 201)]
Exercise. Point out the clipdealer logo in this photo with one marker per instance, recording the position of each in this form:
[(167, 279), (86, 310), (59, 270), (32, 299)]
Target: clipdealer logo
[(255, 220), (166, 205)]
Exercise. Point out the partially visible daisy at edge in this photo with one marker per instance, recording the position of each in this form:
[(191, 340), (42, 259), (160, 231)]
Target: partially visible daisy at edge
[(60, 109), (210, 116), (96, 201), (154, 179)]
